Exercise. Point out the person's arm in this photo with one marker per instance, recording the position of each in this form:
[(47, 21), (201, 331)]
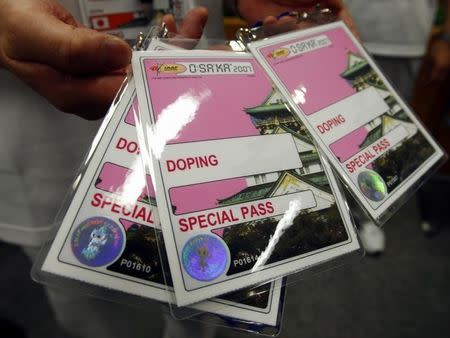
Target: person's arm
[(77, 69), (266, 11)]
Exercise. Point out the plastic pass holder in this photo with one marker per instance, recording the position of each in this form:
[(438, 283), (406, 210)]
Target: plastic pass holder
[(255, 309), (225, 177), (316, 16), (374, 142), (105, 243)]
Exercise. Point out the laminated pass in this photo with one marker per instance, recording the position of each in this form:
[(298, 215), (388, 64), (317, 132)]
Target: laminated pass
[(108, 234), (243, 195), (373, 140)]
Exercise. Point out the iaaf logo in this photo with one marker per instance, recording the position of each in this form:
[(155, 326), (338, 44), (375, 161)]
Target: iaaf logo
[(168, 68), (279, 53)]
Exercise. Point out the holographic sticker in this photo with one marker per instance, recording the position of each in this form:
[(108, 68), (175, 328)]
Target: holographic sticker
[(98, 241), (205, 257), (372, 185)]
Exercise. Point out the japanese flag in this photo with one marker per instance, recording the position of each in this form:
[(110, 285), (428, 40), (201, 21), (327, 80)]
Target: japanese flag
[(101, 22)]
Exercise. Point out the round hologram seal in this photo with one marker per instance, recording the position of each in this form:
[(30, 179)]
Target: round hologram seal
[(205, 257), (97, 241), (372, 185)]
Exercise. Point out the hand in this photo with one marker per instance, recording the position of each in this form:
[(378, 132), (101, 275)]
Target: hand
[(191, 28), (77, 69), (192, 25), (267, 10)]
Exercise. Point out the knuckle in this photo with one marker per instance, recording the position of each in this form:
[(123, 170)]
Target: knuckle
[(10, 37), (70, 50), (66, 17)]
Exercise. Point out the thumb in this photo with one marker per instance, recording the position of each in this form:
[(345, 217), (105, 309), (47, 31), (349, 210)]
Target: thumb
[(68, 48)]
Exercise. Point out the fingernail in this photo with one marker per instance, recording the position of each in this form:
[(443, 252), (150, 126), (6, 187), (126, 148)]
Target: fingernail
[(116, 53)]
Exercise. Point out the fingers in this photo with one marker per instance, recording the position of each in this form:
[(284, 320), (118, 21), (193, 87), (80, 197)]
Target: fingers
[(267, 10), (192, 25), (270, 20), (272, 25), (171, 25), (88, 97), (47, 40)]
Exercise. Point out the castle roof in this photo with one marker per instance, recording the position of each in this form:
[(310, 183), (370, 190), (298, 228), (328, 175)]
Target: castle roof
[(377, 132), (305, 138), (355, 65), (268, 108), (251, 193), (266, 190)]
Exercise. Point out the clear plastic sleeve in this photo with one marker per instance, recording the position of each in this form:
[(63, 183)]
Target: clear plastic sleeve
[(244, 196), (212, 192), (106, 245), (375, 143)]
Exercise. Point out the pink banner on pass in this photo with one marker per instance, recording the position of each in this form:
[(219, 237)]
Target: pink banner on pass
[(187, 199), (308, 78), (119, 180), (222, 114)]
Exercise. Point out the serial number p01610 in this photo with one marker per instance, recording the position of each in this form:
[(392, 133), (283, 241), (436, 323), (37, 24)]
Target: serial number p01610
[(135, 265)]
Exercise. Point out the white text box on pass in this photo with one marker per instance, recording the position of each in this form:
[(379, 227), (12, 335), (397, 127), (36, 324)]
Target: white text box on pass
[(341, 118), (206, 161), (241, 212)]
